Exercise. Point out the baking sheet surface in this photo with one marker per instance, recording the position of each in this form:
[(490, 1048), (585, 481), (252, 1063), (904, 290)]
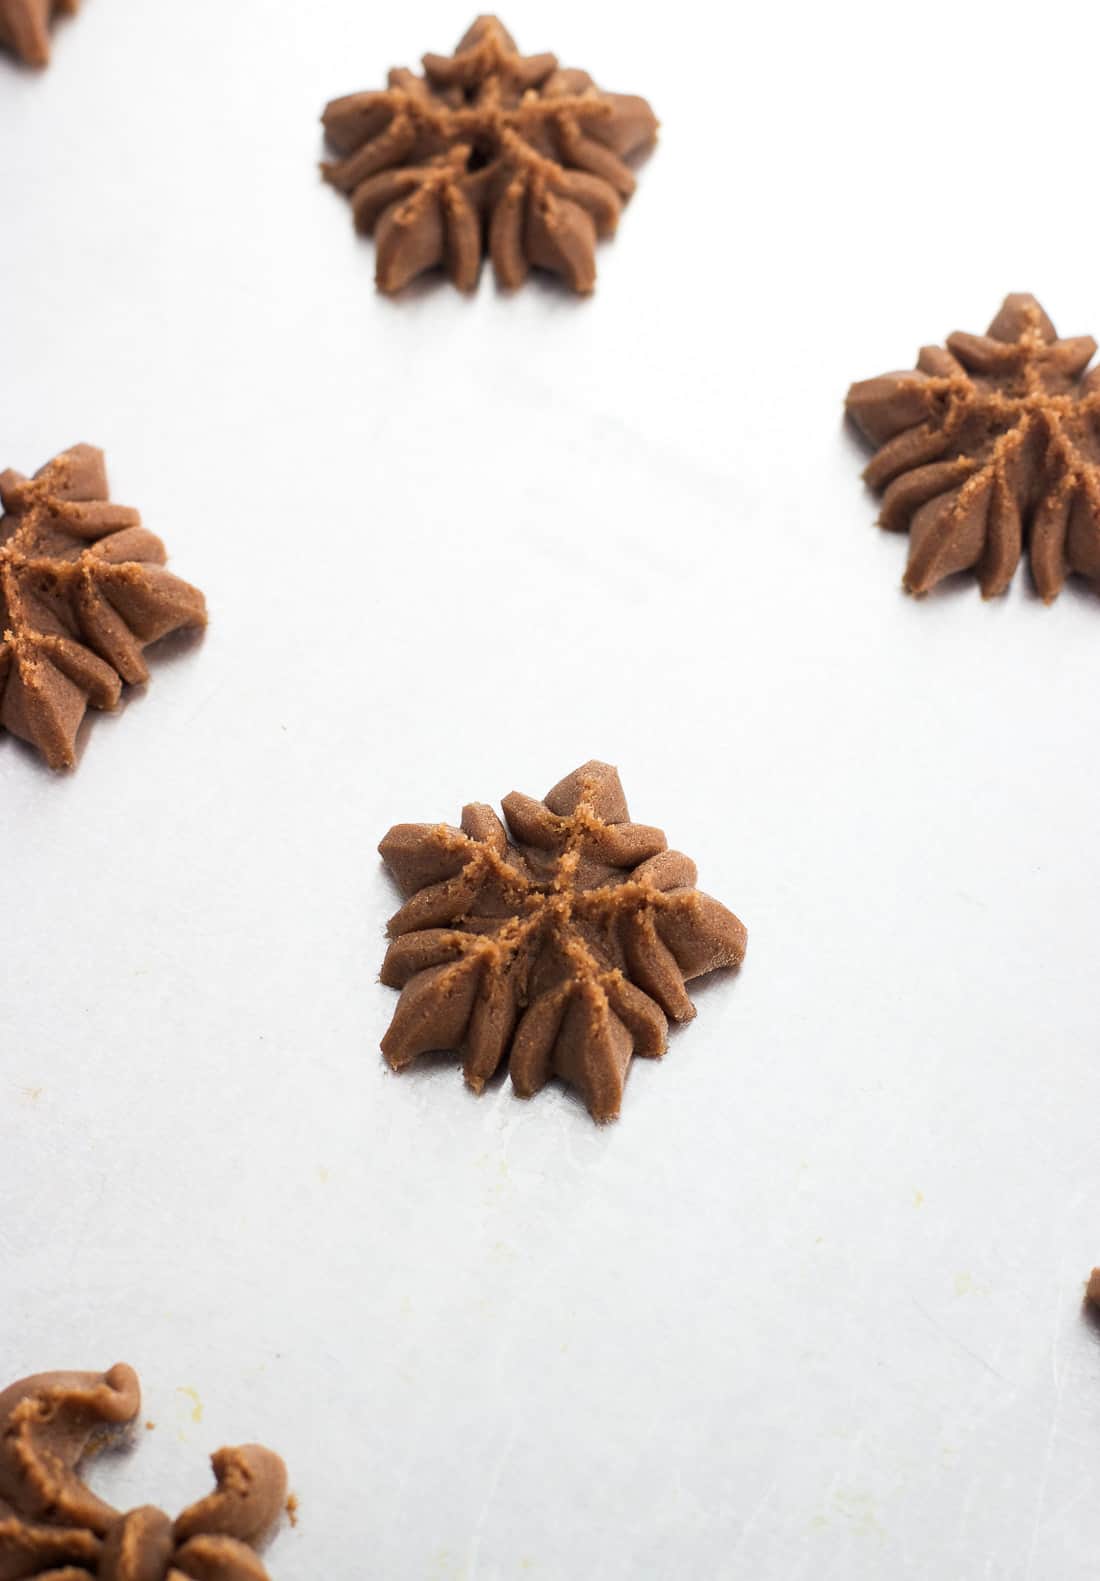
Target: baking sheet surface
[(812, 1308)]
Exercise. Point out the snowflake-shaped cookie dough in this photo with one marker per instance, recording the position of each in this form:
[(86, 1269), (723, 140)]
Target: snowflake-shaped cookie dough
[(25, 27), (53, 1527), (987, 447), (560, 942), (83, 590), (491, 150)]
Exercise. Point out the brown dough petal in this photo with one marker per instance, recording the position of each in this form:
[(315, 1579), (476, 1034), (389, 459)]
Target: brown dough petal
[(138, 1547), (206, 1558), (433, 1012), (248, 1500), (47, 1423), (29, 1549)]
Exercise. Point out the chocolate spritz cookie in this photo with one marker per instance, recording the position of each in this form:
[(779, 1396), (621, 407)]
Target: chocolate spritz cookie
[(25, 27), (83, 591), (54, 1527), (990, 447), (490, 151), (558, 941)]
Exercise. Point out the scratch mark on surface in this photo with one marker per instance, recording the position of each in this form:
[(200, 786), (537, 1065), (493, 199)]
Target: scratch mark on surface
[(749, 1525), (1052, 1434), (958, 1343), (204, 703), (491, 1490)]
